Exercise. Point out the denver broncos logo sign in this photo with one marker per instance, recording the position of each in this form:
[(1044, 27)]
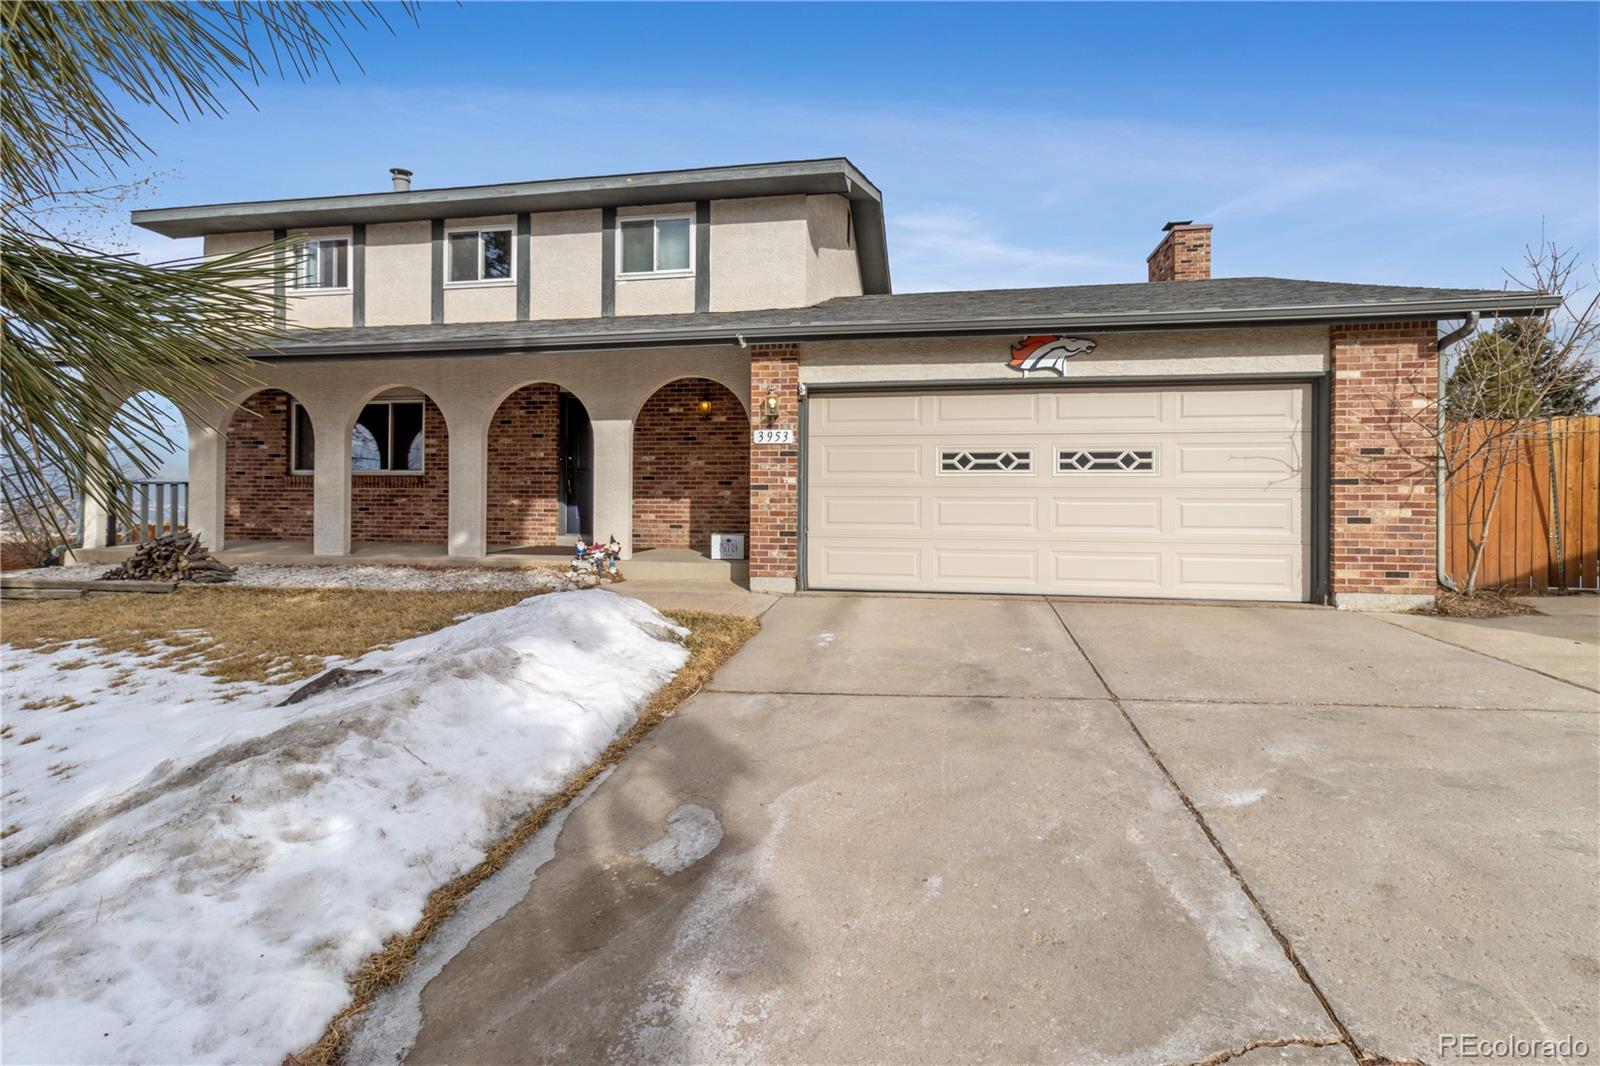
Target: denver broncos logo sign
[(1047, 353)]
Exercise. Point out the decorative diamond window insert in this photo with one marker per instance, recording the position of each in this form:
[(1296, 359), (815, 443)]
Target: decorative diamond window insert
[(1001, 461), (1106, 461)]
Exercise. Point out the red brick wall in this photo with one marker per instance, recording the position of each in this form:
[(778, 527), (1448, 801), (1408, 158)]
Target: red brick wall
[(1385, 378), (263, 500), (691, 474), (524, 481), (774, 468), (1184, 254), (407, 508)]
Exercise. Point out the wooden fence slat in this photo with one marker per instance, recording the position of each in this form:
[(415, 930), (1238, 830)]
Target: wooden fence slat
[(1546, 528)]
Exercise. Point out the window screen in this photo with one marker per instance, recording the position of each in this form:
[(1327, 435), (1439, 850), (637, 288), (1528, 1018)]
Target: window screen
[(656, 245), (480, 255), (324, 265)]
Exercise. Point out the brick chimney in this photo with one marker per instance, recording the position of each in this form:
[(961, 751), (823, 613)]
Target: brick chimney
[(1184, 254)]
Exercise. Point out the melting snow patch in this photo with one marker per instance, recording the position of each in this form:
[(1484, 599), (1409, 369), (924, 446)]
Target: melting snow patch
[(209, 912), (693, 832)]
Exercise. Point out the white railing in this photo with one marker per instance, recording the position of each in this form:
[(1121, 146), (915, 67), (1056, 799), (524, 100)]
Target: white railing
[(157, 506)]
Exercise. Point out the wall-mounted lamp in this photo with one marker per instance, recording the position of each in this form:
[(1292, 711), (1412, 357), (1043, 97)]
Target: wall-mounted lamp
[(704, 407), (772, 404)]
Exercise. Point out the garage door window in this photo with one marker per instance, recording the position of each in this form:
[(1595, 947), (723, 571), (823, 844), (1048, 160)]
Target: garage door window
[(1106, 460), (997, 461)]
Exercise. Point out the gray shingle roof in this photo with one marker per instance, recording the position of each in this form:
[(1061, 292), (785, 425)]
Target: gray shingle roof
[(1080, 308)]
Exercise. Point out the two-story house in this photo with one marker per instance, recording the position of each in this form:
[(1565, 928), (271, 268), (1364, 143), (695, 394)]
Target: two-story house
[(667, 356)]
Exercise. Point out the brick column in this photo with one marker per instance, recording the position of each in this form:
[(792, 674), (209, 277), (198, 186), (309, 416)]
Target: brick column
[(1385, 516), (774, 469)]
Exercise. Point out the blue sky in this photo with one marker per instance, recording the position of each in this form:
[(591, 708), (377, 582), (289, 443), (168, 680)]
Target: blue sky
[(1015, 144)]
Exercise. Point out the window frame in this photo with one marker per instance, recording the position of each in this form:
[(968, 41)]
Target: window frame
[(296, 280), (481, 282), (1030, 451), (1063, 449), (294, 439), (295, 407), (655, 245)]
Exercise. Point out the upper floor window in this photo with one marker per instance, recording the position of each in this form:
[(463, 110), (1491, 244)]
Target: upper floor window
[(662, 245), (480, 255), (324, 264)]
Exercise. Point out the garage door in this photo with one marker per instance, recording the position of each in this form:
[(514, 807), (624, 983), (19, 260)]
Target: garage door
[(1198, 492)]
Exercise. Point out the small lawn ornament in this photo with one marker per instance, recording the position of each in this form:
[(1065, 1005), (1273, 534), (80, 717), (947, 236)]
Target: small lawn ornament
[(597, 559)]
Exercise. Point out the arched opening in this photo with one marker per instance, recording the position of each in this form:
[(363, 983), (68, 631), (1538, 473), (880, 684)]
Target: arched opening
[(149, 450), (691, 466), (541, 469), (399, 470), (267, 491)]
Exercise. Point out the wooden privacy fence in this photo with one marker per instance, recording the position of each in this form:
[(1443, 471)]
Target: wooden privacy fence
[(1545, 533)]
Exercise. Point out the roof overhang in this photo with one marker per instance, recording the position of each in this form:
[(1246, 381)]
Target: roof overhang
[(812, 177), (434, 341)]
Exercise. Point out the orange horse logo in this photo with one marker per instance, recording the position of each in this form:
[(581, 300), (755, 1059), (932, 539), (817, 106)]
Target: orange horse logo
[(1049, 352)]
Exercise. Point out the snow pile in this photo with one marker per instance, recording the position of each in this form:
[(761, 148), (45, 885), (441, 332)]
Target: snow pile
[(111, 727), (216, 920)]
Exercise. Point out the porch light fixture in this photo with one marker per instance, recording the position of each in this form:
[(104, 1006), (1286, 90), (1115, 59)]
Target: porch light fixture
[(772, 403), (704, 406)]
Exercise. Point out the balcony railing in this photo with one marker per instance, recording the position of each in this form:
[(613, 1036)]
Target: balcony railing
[(158, 506)]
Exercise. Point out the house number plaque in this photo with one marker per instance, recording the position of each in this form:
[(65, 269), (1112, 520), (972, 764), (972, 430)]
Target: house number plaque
[(772, 436)]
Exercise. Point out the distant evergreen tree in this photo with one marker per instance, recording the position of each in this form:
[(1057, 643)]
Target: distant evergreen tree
[(1516, 370)]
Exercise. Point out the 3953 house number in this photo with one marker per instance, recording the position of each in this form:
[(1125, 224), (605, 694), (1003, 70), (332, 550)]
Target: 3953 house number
[(772, 436)]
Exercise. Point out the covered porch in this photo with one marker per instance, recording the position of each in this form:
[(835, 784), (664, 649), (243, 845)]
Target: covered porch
[(481, 460)]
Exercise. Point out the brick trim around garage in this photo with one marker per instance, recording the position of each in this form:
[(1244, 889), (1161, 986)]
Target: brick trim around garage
[(774, 469), (1384, 507)]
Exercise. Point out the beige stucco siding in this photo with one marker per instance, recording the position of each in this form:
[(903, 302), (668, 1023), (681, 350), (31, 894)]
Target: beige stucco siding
[(1286, 350), (759, 253), (481, 303), (216, 244), (399, 274), (565, 282), (832, 266), (655, 296)]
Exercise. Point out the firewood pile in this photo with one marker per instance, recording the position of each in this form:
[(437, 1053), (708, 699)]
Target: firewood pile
[(172, 557)]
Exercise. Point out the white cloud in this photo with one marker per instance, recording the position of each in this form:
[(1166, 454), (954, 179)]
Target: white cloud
[(956, 248)]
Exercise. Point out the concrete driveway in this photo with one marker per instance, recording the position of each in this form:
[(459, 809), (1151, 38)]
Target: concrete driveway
[(962, 829)]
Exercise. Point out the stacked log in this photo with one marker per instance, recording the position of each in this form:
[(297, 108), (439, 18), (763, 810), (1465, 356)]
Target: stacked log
[(172, 557)]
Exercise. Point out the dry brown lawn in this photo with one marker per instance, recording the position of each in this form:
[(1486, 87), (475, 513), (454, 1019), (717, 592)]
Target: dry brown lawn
[(236, 634)]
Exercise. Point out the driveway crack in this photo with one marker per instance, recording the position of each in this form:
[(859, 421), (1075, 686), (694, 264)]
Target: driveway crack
[(1255, 1045), (1487, 655), (1348, 1041)]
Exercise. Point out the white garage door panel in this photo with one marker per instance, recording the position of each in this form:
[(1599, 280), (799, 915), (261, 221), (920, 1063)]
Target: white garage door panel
[(966, 492)]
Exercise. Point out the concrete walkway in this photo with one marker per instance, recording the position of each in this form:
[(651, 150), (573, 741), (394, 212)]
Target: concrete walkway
[(957, 829)]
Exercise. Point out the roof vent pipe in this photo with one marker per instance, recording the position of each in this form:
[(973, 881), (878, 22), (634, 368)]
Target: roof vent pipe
[(401, 178)]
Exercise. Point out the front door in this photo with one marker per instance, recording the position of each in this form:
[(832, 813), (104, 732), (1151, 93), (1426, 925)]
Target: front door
[(577, 467)]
